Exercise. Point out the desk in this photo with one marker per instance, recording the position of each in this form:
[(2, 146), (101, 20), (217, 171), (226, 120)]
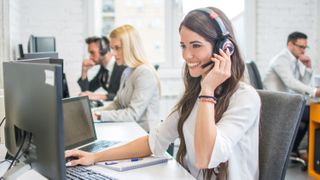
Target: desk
[(127, 131), (314, 124)]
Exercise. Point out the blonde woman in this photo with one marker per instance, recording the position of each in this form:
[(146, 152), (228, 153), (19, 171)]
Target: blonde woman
[(138, 98)]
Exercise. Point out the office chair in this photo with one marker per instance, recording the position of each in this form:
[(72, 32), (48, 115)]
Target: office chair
[(279, 122), (254, 75), (255, 81), (296, 156)]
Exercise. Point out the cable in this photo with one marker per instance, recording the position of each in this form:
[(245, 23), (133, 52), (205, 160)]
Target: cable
[(26, 150), (2, 121), (16, 155)]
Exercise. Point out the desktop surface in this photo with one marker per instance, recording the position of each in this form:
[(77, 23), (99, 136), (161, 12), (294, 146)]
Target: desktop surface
[(125, 132)]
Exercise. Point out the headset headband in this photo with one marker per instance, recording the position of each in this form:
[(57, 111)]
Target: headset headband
[(213, 15)]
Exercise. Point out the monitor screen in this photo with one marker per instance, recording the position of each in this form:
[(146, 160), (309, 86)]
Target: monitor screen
[(45, 44), (78, 122), (33, 106), (41, 44)]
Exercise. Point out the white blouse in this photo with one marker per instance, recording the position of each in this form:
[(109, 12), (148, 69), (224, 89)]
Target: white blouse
[(237, 139)]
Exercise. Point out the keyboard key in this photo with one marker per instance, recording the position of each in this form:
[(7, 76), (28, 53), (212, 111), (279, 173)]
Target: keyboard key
[(81, 173)]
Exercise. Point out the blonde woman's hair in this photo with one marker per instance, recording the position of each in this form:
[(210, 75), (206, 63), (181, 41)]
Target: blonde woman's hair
[(132, 48)]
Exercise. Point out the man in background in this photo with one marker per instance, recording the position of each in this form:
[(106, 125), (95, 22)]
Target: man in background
[(109, 74), (291, 71)]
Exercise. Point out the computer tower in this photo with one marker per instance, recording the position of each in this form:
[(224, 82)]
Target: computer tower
[(317, 150)]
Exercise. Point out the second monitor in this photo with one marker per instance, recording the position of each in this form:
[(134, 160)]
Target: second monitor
[(65, 88), (41, 44)]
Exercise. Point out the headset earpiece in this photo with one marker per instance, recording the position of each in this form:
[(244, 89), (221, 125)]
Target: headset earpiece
[(104, 48), (222, 42), (227, 44)]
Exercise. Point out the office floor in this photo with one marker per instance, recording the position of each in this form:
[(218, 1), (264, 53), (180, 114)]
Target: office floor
[(294, 172)]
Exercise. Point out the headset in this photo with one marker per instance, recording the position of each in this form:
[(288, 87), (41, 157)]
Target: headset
[(222, 42), (104, 46)]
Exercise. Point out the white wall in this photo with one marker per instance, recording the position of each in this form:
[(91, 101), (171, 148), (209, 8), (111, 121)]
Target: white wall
[(4, 35), (66, 20), (275, 19), (4, 53), (238, 28)]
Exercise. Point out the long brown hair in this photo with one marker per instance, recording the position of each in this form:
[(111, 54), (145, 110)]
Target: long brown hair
[(201, 23)]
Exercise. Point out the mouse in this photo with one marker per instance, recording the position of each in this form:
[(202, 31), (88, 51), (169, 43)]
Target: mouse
[(96, 103), (71, 158)]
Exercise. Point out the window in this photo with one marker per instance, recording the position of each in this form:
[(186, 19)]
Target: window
[(108, 16), (157, 22), (147, 16)]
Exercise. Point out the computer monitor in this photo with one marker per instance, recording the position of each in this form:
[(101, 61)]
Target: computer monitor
[(39, 55), (65, 89), (33, 106), (41, 44)]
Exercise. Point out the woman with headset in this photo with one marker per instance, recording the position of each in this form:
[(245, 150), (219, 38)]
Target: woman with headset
[(138, 98), (217, 118)]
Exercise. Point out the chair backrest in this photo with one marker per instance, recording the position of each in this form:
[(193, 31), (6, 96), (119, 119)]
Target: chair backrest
[(280, 118), (254, 75)]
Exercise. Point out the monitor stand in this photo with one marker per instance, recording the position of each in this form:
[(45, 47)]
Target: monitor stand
[(16, 171)]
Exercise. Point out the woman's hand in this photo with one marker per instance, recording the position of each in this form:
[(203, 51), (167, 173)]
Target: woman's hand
[(93, 96), (218, 74), (96, 115), (81, 157), (86, 93)]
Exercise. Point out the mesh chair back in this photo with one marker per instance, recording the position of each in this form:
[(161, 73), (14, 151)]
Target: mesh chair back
[(254, 75), (280, 118)]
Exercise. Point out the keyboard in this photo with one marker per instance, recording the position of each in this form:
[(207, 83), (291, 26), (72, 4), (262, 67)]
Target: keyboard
[(79, 173), (99, 145)]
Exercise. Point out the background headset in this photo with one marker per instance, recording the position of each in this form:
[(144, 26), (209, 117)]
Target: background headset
[(104, 46), (222, 42)]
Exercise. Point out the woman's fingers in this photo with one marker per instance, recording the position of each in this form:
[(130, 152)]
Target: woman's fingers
[(225, 62), (68, 153), (82, 158), (74, 162), (226, 55), (216, 63), (219, 73)]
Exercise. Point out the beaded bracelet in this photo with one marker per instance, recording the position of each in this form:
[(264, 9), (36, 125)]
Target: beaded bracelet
[(208, 100), (209, 97)]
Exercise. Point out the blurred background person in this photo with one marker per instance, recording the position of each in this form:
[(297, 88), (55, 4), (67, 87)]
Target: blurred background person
[(108, 76)]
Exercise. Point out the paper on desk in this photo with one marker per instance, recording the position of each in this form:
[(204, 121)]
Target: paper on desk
[(125, 165)]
